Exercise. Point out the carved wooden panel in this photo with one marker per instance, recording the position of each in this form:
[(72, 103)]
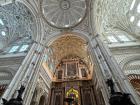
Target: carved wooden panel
[(57, 96), (87, 97)]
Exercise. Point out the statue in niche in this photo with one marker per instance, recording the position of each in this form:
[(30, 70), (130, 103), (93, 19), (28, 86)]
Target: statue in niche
[(15, 101), (69, 100), (118, 98)]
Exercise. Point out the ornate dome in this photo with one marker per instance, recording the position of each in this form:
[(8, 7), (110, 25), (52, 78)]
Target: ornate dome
[(63, 13)]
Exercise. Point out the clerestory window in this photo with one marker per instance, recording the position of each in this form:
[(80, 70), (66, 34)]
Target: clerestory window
[(13, 49), (132, 5), (112, 38), (138, 24), (1, 22), (118, 38), (123, 38), (3, 33), (23, 48), (135, 13), (138, 8), (132, 18)]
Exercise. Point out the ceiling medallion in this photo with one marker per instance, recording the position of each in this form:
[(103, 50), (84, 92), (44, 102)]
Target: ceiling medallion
[(65, 4), (63, 13)]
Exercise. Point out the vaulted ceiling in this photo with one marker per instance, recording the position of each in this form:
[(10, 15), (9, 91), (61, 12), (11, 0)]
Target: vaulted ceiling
[(123, 15), (108, 16), (16, 21), (69, 45)]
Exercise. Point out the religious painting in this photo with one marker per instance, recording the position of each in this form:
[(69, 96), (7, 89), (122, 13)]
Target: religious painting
[(71, 69), (60, 74), (83, 72)]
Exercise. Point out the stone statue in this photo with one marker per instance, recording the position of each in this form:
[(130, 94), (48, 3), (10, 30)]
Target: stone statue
[(118, 98), (15, 101), (69, 100), (111, 85)]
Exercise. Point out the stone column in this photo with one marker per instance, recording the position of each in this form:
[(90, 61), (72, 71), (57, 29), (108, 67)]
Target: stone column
[(31, 77), (101, 72), (110, 65), (24, 72)]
